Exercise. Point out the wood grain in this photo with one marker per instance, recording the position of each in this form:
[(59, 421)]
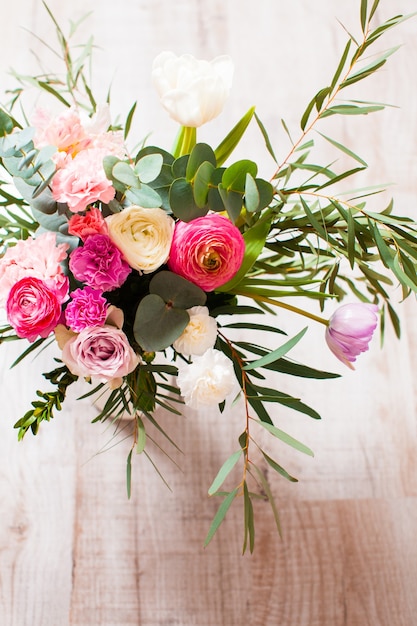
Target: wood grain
[(74, 551)]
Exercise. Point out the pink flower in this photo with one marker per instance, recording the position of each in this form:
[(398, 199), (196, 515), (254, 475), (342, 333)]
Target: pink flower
[(208, 251), (82, 180), (87, 308), (33, 308), (99, 264), (38, 258), (350, 330), (64, 131), (101, 352), (92, 223)]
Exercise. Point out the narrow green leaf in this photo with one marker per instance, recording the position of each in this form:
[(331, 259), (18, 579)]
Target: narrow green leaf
[(129, 474), (141, 441), (280, 434), (276, 354), (229, 143), (266, 137), (364, 9), (269, 495), (220, 515), (280, 470), (249, 521), (340, 66), (344, 149), (129, 119), (224, 471)]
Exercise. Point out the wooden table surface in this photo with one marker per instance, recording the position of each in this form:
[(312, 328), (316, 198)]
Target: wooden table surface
[(73, 549)]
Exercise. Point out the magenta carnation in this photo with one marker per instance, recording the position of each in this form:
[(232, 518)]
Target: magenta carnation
[(33, 307), (208, 251), (99, 264), (350, 330), (87, 307)]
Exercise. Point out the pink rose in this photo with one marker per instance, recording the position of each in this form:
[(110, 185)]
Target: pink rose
[(33, 308), (87, 308), (101, 352), (350, 330), (208, 251), (82, 181), (92, 223), (64, 131), (99, 264), (38, 258)]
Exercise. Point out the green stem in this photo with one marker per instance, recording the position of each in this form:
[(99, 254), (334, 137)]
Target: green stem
[(185, 141), (285, 305)]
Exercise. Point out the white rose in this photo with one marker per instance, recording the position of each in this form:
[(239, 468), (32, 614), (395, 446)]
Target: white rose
[(192, 91), (143, 236), (208, 380), (199, 335)]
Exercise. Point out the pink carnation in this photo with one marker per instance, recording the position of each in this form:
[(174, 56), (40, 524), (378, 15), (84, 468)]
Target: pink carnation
[(102, 352), (33, 308), (39, 258), (87, 308), (350, 330), (92, 223), (82, 181), (208, 251), (64, 131), (99, 264)]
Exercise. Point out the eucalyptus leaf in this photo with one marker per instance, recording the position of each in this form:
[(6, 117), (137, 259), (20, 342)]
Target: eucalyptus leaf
[(157, 324)]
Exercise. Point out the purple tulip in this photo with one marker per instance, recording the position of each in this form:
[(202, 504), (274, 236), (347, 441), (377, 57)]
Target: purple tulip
[(350, 330)]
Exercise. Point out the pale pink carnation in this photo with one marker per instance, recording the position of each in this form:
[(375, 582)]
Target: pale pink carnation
[(82, 181), (33, 308), (99, 264), (92, 223), (40, 258), (87, 307), (64, 131), (101, 352), (350, 330), (207, 251)]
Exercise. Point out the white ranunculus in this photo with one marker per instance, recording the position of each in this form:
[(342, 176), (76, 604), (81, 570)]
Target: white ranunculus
[(192, 91), (199, 335), (143, 236), (208, 380)]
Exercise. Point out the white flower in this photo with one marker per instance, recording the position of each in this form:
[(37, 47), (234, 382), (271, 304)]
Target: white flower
[(199, 335), (208, 380), (143, 236), (192, 91)]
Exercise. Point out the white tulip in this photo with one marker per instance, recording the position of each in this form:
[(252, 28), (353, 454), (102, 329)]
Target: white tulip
[(192, 91)]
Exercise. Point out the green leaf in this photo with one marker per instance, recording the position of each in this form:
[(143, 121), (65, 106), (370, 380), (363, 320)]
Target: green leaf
[(276, 354), (129, 474), (254, 242), (202, 181), (125, 174), (157, 325), (251, 198), (220, 515), (181, 199), (149, 167), (141, 436), (129, 118), (266, 137), (234, 176), (280, 434), (201, 153), (176, 290), (232, 201), (229, 143), (345, 150), (146, 197), (275, 466), (249, 522), (224, 471), (269, 495), (341, 65), (364, 8)]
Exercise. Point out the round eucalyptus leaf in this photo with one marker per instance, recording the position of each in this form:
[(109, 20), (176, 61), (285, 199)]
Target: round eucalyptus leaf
[(124, 174), (201, 183), (146, 197), (176, 290), (157, 325), (149, 167), (234, 177), (199, 154), (181, 199), (251, 194)]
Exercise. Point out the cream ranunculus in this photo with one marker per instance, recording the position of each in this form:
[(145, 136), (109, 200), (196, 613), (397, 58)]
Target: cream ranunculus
[(143, 236), (199, 335), (192, 91), (208, 380)]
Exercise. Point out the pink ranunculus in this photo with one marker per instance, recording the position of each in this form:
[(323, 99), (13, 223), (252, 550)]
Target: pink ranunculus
[(350, 330), (208, 251), (92, 223), (38, 258), (99, 264), (101, 352), (82, 181), (87, 307), (33, 308)]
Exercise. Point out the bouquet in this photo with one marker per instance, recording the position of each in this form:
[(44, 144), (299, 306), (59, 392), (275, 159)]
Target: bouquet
[(140, 263)]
